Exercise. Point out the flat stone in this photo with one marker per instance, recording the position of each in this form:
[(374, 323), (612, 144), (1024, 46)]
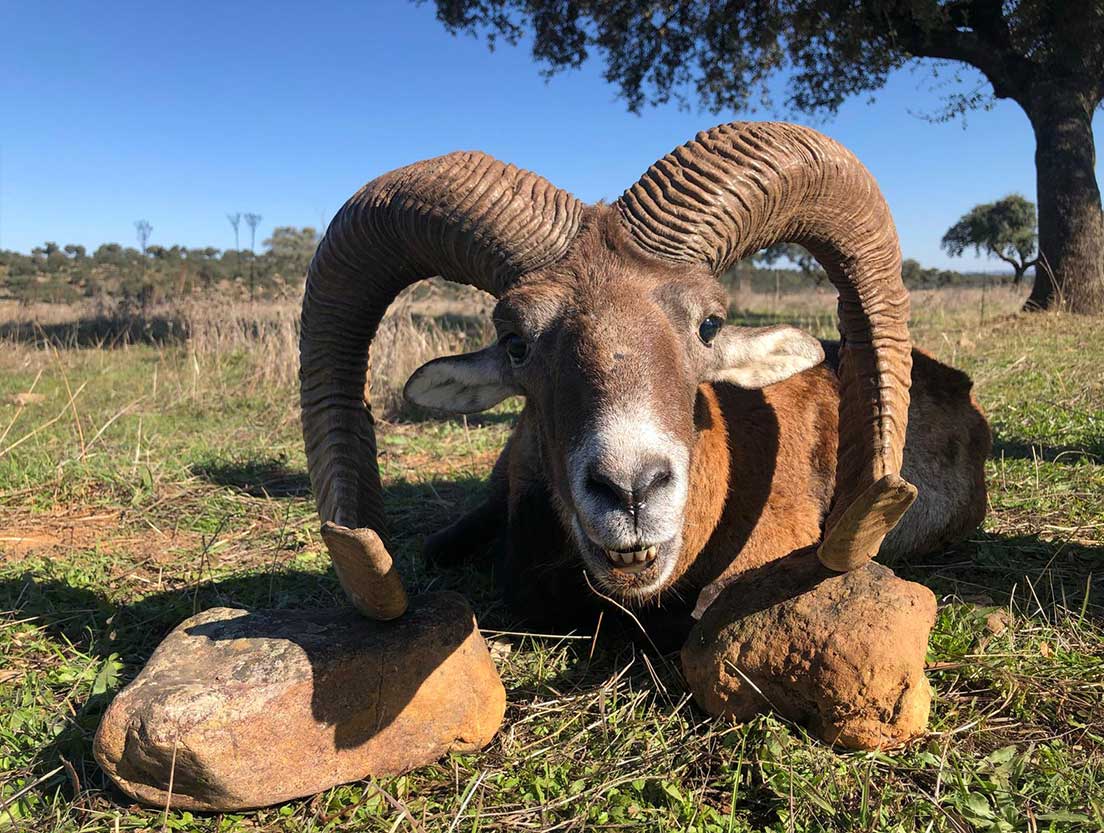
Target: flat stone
[(841, 654), (241, 709)]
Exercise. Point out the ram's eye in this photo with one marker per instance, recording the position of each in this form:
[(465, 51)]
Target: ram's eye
[(709, 328), (517, 349)]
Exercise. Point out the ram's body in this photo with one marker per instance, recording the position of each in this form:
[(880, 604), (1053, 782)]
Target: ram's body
[(610, 319), (763, 475)]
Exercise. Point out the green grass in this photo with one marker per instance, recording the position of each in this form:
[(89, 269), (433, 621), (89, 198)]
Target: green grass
[(169, 485)]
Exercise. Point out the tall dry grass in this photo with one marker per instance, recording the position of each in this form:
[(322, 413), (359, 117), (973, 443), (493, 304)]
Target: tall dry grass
[(936, 313), (214, 334), (430, 319)]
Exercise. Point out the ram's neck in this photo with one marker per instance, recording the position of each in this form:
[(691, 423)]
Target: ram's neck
[(709, 472)]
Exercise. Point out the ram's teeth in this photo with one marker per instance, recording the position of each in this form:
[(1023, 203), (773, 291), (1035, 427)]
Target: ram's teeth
[(650, 553), (639, 556)]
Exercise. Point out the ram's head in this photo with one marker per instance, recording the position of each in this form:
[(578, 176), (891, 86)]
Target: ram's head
[(609, 318)]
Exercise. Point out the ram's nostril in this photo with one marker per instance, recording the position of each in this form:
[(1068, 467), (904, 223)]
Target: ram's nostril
[(651, 480), (629, 490), (608, 489)]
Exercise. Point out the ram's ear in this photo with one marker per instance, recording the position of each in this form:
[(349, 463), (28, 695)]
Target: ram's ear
[(464, 384), (754, 357)]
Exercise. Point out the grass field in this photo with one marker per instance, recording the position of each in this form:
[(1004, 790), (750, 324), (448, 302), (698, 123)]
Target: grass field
[(142, 482)]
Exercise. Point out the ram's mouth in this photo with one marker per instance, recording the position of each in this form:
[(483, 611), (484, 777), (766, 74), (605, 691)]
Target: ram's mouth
[(631, 561)]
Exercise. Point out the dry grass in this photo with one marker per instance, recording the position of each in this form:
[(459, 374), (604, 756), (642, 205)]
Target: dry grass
[(162, 477), (425, 321), (936, 313)]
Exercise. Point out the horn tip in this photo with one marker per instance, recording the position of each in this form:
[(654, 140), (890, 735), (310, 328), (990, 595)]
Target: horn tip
[(858, 534), (366, 571)]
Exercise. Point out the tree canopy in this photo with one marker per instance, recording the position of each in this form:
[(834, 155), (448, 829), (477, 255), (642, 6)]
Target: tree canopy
[(1047, 55), (1004, 229), (725, 51)]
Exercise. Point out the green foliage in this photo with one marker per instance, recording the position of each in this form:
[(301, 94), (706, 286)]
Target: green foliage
[(1003, 229), (1046, 56), (916, 276), (292, 248), (54, 274), (725, 53), (798, 255)]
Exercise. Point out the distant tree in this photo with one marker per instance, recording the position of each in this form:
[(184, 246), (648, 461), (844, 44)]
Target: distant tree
[(235, 221), (76, 252), (143, 229), (252, 220), (912, 273), (108, 254), (916, 276), (1004, 229), (56, 261), (1046, 55), (798, 255), (291, 249)]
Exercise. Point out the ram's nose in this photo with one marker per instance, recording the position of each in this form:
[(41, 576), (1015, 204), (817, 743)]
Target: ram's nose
[(628, 488)]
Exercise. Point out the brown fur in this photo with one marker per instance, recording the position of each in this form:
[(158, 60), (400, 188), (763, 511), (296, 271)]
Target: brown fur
[(610, 328), (762, 478)]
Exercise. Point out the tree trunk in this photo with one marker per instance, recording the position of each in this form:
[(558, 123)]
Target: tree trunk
[(1070, 271)]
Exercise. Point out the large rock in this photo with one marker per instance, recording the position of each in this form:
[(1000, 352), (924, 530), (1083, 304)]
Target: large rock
[(840, 654), (244, 709)]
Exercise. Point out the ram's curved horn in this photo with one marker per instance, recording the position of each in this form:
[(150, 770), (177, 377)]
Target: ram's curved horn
[(464, 216), (743, 186)]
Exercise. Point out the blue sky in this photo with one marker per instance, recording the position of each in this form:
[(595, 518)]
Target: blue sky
[(180, 113)]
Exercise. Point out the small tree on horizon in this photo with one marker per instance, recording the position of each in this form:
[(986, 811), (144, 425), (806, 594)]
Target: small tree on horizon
[(235, 221), (144, 229), (252, 220), (1004, 229)]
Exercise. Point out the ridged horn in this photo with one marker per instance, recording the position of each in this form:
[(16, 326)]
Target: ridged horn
[(466, 217), (743, 186)]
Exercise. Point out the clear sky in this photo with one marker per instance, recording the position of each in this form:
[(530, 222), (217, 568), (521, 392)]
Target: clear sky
[(181, 112)]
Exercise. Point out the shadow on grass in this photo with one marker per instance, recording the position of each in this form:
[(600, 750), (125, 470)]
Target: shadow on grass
[(1065, 580), (103, 331), (1053, 578), (105, 629), (267, 478), (412, 414), (1016, 448)]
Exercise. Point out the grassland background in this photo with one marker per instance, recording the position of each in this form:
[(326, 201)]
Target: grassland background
[(152, 466)]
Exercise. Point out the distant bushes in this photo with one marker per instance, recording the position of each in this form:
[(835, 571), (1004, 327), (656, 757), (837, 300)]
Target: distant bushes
[(56, 274), (126, 277)]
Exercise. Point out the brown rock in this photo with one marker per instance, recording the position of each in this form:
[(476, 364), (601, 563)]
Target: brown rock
[(261, 707), (997, 622), (840, 654), (27, 398)]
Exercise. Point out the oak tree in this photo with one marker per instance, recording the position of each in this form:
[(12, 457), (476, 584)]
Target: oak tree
[(1046, 55), (1003, 229)]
